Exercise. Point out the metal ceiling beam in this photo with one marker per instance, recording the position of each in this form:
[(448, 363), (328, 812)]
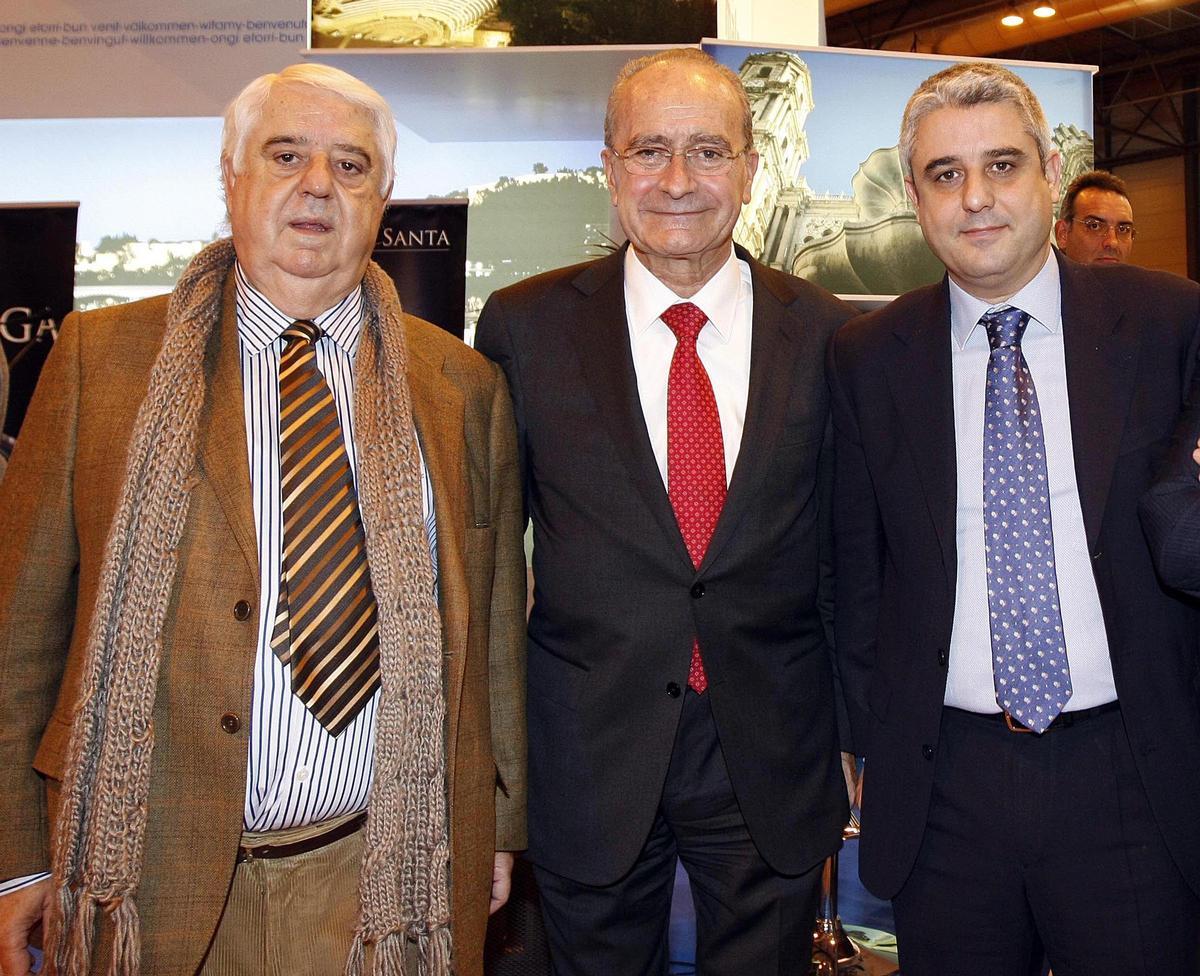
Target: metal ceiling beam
[(979, 33)]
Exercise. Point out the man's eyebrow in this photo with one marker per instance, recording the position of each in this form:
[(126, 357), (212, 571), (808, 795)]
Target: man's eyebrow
[(1000, 152), (940, 162), (347, 147), (697, 139), (285, 141), (1006, 152)]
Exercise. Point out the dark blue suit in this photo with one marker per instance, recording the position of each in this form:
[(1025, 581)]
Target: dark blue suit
[(1129, 339)]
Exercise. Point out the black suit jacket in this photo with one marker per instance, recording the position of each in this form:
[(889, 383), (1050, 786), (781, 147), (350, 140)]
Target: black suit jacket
[(1171, 508), (617, 601), (1129, 339)]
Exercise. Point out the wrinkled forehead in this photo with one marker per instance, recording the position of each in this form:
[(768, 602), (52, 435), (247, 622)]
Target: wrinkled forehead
[(677, 99), (296, 108)]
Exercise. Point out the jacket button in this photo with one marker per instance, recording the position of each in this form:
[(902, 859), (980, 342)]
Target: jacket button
[(927, 751), (697, 590), (241, 610), (673, 690), (942, 658), (230, 723)]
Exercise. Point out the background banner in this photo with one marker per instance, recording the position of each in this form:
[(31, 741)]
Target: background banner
[(422, 244), (828, 202), (154, 57), (37, 279)]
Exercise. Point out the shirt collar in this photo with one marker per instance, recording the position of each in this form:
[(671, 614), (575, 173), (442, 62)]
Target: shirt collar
[(646, 298), (1041, 298), (260, 323)]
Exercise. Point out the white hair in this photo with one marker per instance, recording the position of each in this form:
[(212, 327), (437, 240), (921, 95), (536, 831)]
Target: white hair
[(243, 113)]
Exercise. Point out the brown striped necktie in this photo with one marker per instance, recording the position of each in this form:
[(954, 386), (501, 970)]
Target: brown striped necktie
[(326, 626)]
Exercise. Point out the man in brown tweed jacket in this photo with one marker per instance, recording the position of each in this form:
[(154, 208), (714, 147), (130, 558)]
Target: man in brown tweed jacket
[(145, 447)]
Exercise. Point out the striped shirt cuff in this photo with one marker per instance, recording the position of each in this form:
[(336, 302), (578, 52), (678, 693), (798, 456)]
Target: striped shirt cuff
[(16, 884)]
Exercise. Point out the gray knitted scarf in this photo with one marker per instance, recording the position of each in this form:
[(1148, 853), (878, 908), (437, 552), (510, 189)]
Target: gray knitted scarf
[(404, 885)]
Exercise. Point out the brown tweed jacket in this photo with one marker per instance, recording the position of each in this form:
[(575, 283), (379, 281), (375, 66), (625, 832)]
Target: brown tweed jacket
[(56, 503)]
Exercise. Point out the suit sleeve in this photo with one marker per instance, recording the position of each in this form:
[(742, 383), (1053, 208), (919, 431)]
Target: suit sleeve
[(827, 584), (858, 554), (39, 553), (506, 628), (494, 339), (1170, 510)]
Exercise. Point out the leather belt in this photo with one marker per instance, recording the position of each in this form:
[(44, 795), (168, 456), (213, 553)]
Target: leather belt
[(258, 851), (1064, 720)]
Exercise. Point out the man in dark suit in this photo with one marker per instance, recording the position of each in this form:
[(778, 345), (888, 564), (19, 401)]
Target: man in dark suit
[(1017, 679), (680, 687), (1171, 508)]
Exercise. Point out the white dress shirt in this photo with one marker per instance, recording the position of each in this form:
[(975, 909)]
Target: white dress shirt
[(297, 773), (969, 682), (723, 346)]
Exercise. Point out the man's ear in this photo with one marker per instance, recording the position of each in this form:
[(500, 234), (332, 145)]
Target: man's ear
[(1062, 227), (1054, 174), (609, 158)]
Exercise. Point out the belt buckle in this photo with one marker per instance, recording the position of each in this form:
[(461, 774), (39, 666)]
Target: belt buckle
[(1014, 726)]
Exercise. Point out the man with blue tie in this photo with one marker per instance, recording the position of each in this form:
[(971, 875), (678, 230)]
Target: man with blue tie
[(1016, 677)]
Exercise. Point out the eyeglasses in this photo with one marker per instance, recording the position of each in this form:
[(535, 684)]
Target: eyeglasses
[(701, 160), (1098, 227)]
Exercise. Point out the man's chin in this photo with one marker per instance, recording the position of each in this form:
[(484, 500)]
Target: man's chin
[(307, 262)]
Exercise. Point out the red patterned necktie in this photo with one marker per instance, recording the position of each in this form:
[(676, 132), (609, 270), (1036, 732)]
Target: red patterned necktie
[(695, 450), (326, 626)]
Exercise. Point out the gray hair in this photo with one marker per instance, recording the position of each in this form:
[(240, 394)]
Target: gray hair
[(244, 111), (678, 55), (965, 86)]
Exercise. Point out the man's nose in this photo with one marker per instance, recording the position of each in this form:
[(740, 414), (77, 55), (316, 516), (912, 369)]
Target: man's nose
[(318, 176), (976, 192), (677, 179)]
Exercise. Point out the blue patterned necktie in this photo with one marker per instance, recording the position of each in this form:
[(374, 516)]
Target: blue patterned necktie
[(1029, 654)]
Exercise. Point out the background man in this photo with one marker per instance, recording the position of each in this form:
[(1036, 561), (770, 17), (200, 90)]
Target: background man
[(994, 433), (194, 627), (1095, 224), (681, 698)]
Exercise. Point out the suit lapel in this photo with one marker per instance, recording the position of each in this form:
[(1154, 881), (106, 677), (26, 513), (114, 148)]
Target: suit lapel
[(221, 445), (601, 336), (772, 355), (920, 379), (1101, 348), (438, 413)]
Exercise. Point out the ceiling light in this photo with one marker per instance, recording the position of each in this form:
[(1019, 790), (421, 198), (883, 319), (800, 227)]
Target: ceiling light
[(1044, 10), (1012, 18)]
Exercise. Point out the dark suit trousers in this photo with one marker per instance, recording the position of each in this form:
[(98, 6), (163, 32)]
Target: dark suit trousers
[(1042, 838), (750, 921)]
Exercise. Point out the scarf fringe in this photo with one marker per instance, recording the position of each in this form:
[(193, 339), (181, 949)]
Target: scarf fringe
[(127, 938), (389, 956), (74, 956), (436, 950), (354, 962), (59, 921)]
